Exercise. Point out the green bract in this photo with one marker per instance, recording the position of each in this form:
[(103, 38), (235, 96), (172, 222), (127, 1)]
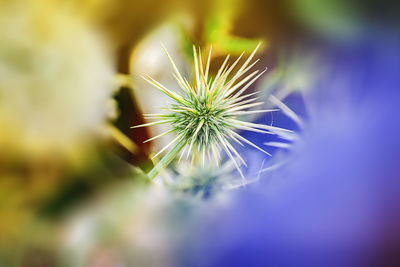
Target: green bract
[(205, 116)]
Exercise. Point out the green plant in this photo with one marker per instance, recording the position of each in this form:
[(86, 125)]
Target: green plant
[(205, 116)]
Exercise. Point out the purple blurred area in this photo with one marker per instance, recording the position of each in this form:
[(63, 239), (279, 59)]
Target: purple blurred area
[(336, 202)]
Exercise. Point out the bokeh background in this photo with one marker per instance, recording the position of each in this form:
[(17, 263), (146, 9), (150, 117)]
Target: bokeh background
[(73, 189)]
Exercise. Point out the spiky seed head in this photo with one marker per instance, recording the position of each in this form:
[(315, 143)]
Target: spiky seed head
[(206, 115)]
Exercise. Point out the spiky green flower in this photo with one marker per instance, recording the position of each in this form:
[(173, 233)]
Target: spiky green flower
[(205, 116)]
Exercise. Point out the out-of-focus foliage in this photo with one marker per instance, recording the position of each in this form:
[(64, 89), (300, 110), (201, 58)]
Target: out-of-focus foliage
[(330, 18)]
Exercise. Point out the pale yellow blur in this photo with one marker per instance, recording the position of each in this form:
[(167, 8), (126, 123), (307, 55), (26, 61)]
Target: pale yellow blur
[(55, 77)]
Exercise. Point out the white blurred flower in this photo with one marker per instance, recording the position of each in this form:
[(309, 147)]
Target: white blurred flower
[(55, 79)]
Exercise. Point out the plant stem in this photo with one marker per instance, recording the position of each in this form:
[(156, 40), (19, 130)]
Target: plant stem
[(167, 159)]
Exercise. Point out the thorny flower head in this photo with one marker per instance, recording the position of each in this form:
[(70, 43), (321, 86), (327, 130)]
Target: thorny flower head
[(206, 115)]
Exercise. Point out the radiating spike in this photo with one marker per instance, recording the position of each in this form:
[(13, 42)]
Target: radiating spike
[(246, 128), (182, 153), (234, 65), (243, 102), (231, 148), (233, 80), (207, 133), (240, 72), (250, 143), (203, 79), (249, 84), (178, 74), (189, 149), (262, 126), (208, 64), (244, 80), (278, 144), (240, 107), (215, 152), (164, 89), (286, 110), (198, 129), (196, 68), (251, 100), (158, 136), (168, 145), (221, 69), (184, 86), (150, 124), (236, 140), (233, 100), (154, 114), (253, 111), (232, 158)]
